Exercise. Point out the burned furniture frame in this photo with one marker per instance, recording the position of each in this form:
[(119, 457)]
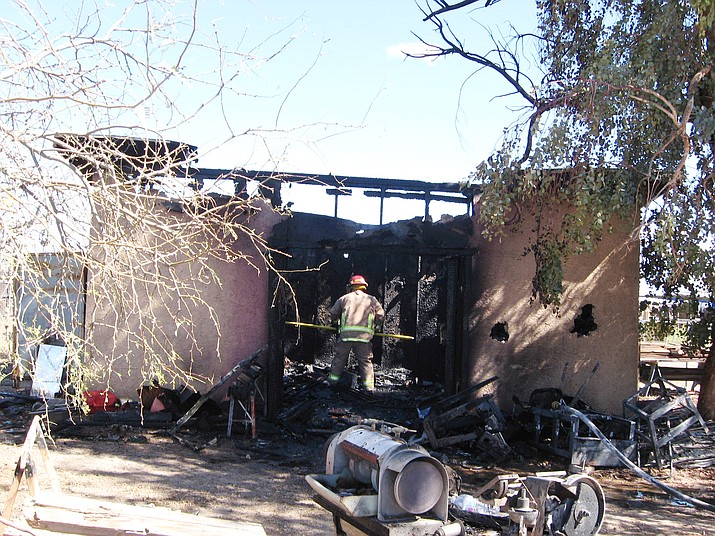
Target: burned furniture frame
[(248, 371), (242, 393), (663, 411), (463, 418), (562, 433)]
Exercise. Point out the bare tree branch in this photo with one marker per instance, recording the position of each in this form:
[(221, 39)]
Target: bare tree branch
[(150, 240), (451, 7)]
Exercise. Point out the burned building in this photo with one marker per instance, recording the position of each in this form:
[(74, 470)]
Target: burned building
[(465, 299)]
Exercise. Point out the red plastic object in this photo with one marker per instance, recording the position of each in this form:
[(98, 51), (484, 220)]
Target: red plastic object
[(101, 401)]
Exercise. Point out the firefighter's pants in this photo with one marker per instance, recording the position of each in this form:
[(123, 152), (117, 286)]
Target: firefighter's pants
[(362, 352)]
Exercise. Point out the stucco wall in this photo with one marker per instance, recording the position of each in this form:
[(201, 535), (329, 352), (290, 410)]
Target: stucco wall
[(541, 352), (239, 305)]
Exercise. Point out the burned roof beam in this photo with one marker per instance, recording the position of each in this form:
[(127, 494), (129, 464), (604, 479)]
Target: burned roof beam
[(442, 251), (420, 196), (138, 155), (425, 196), (337, 192), (133, 156), (336, 181)]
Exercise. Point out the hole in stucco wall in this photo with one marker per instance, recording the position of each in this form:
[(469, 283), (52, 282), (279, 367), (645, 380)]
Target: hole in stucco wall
[(500, 332), (584, 323)]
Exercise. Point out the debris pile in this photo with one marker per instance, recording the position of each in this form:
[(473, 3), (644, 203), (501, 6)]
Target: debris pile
[(312, 407), (465, 430), (670, 428), (664, 426), (552, 429), (461, 418)]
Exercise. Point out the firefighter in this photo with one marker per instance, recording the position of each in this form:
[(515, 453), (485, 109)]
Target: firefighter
[(358, 315)]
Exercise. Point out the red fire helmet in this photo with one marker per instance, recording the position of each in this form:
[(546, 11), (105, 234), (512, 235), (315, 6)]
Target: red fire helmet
[(358, 280)]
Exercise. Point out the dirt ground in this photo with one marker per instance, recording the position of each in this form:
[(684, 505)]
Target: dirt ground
[(243, 480), (262, 480)]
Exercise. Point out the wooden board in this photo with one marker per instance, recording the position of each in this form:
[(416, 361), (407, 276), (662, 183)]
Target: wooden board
[(78, 515)]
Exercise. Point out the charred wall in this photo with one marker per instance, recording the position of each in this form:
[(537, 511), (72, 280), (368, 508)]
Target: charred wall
[(531, 347), (414, 268)]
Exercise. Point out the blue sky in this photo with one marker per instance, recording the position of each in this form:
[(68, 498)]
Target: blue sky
[(338, 95), (377, 113), (345, 100)]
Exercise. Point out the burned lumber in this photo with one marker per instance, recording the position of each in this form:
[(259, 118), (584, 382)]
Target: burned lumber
[(299, 412), (437, 403), (469, 422), (493, 446), (246, 363), (449, 421), (21, 396), (79, 515)]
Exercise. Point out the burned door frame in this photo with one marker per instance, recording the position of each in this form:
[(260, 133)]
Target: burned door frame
[(314, 240)]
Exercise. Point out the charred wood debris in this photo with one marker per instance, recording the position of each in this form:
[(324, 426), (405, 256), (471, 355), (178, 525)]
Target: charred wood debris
[(660, 427)]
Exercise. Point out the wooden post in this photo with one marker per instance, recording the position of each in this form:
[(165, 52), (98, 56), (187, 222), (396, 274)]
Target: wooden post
[(25, 466)]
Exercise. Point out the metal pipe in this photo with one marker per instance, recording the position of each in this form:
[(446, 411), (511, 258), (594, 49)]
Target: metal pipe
[(633, 467), (453, 529)]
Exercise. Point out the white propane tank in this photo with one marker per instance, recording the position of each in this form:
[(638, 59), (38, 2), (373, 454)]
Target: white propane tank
[(408, 480)]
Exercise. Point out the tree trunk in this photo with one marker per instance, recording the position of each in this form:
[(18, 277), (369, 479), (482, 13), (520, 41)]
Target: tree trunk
[(706, 400)]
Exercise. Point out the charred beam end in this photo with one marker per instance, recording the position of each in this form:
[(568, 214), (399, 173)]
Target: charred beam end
[(338, 191)]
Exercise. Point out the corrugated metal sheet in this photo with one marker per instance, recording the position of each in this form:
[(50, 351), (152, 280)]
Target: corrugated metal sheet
[(50, 301), (7, 313)]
